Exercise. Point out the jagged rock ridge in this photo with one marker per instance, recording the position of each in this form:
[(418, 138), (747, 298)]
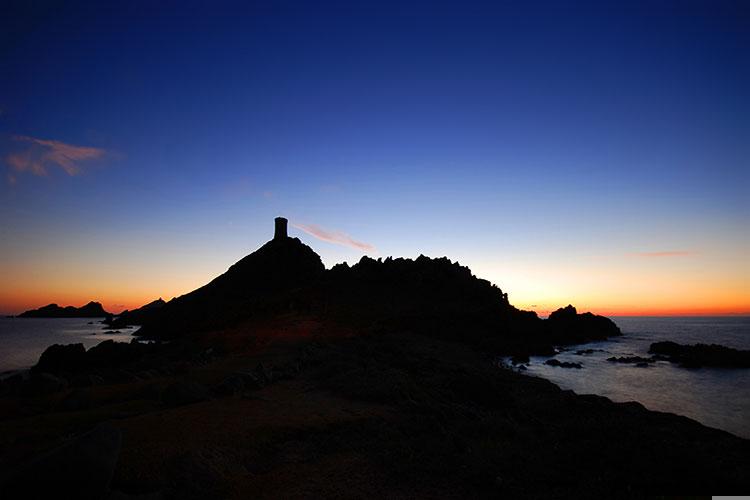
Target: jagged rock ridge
[(431, 296)]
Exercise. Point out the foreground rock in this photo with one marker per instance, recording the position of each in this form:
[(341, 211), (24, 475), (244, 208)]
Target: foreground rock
[(62, 366), (59, 358), (699, 355), (184, 392), (90, 310), (81, 469), (385, 415)]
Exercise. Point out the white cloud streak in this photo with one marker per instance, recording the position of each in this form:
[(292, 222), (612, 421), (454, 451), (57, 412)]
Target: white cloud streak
[(39, 155), (336, 237)]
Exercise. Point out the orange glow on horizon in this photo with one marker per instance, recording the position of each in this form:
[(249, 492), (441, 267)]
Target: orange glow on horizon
[(118, 302), (611, 287), (645, 311), (17, 305)]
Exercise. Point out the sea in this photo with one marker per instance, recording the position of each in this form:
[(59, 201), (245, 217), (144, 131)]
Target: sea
[(716, 397), (23, 340)]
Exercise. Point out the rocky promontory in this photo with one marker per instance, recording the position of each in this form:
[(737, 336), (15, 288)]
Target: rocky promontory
[(135, 317), (281, 379)]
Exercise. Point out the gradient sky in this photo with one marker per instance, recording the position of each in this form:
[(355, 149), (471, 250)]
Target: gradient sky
[(596, 154)]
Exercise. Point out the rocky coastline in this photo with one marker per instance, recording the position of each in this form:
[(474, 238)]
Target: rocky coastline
[(283, 379)]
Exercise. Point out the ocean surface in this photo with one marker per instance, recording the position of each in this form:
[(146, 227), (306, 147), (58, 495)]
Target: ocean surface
[(716, 397), (23, 340)]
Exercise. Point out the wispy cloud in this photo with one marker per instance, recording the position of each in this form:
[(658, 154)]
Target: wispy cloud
[(667, 253), (39, 155), (337, 237)]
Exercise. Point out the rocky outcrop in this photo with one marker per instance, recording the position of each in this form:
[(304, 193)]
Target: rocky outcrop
[(435, 297), (63, 366), (90, 310), (563, 364), (257, 284), (566, 326), (183, 392), (699, 355), (59, 358), (441, 298), (81, 469), (635, 360), (136, 316), (73, 358)]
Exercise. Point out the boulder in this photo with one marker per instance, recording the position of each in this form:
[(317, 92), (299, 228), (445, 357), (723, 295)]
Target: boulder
[(59, 358), (184, 392), (80, 469), (76, 400), (111, 354), (44, 383), (519, 359), (562, 364)]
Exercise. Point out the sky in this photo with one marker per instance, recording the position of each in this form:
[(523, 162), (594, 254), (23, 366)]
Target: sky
[(570, 152)]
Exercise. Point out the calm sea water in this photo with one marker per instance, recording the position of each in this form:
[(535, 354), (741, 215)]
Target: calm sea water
[(23, 340), (717, 397)]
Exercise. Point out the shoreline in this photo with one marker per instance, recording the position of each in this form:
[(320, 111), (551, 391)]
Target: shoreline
[(505, 363), (385, 414)]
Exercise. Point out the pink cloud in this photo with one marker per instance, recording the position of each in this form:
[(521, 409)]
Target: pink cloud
[(336, 237), (668, 253), (41, 154)]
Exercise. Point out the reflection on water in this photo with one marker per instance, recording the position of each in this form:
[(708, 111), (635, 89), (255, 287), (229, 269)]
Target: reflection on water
[(716, 397), (23, 340)]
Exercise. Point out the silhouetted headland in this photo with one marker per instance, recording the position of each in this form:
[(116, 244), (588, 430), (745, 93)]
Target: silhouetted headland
[(435, 297), (282, 379), (136, 316), (90, 310)]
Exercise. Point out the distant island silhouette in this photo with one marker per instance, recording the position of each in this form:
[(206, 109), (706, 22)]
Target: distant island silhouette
[(281, 378), (90, 310)]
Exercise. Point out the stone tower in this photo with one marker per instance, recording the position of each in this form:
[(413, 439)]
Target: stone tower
[(280, 232)]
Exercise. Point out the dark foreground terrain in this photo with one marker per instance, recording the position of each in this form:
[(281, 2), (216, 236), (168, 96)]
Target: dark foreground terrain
[(280, 379), (301, 409)]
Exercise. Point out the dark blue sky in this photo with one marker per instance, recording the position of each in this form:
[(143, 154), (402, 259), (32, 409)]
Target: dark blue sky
[(523, 141)]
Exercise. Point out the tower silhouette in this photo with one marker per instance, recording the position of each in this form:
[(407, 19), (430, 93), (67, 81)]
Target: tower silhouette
[(280, 231)]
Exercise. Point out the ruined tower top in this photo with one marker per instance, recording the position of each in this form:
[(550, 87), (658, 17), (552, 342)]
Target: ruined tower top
[(280, 232)]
